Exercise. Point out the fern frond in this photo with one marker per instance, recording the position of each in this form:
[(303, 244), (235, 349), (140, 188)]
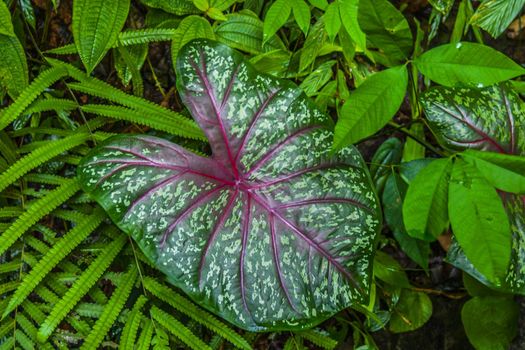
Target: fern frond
[(10, 212), (51, 104), (69, 215), (191, 310), (154, 121), (48, 179), (129, 333), (111, 310), (144, 341), (42, 82), (27, 326), (10, 266), (51, 259), (40, 156), (319, 339), (186, 127), (177, 329), (80, 288), (8, 287), (36, 211), (125, 38), (33, 311), (6, 328), (23, 340), (8, 343)]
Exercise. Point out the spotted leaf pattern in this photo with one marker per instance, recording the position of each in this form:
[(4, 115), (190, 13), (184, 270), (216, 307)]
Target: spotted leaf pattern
[(487, 119), (270, 232)]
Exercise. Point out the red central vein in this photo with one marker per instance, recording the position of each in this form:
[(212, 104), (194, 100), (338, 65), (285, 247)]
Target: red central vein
[(308, 240), (186, 211), (276, 261), (209, 92), (256, 116), (245, 233), (471, 125), (215, 231)]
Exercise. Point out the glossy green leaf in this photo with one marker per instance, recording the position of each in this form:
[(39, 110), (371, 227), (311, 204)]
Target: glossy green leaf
[(96, 25), (467, 63), (386, 157), (386, 29), (495, 16), (479, 221), (312, 46), (348, 10), (332, 20), (6, 27), (270, 232), (276, 17), (412, 311), (315, 80), (425, 209), (191, 27), (222, 5), (302, 15), (490, 322), (176, 7), (388, 270), (371, 106), (13, 70)]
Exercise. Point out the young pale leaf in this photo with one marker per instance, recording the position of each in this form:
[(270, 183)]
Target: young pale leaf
[(96, 25), (425, 208), (275, 18), (467, 63), (495, 16), (479, 221), (191, 27), (465, 118), (371, 106), (386, 29), (270, 232), (490, 322)]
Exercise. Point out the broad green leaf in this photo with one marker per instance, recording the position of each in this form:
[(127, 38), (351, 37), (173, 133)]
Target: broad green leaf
[(467, 63), (387, 156), (271, 232), (216, 14), (393, 198), (488, 119), (222, 5), (348, 10), (302, 15), (272, 62), (176, 7), (388, 270), (505, 172), (202, 5), (320, 4), (13, 70), (386, 29), (244, 31), (191, 27), (275, 18), (495, 16), (315, 80), (332, 20), (412, 311), (371, 106), (479, 221), (425, 208), (490, 322), (6, 27), (96, 25), (312, 46)]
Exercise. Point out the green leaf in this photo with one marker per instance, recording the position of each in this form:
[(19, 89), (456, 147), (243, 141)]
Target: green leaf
[(275, 18), (96, 25), (253, 186), (386, 29), (505, 172), (467, 63), (176, 7), (191, 27), (312, 46), (202, 5), (348, 11), (386, 157), (332, 20), (302, 15), (412, 311), (6, 27), (490, 322), (315, 80), (479, 221), (387, 269), (13, 70), (222, 5), (371, 106), (425, 209), (495, 16)]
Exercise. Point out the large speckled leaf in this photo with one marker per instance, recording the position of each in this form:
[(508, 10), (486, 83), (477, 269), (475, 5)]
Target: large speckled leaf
[(270, 232), (488, 119)]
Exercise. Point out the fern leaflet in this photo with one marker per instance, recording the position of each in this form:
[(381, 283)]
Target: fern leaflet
[(319, 339), (111, 310), (178, 329), (51, 104), (144, 341), (59, 251), (36, 211), (81, 286), (129, 333)]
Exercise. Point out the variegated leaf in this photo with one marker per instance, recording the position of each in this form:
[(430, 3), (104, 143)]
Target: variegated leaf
[(487, 119), (271, 232)]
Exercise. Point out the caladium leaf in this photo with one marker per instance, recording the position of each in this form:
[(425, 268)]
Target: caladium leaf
[(270, 232), (488, 119)]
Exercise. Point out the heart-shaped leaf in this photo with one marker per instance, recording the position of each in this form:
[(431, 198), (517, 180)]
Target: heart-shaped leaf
[(270, 232), (488, 119)]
